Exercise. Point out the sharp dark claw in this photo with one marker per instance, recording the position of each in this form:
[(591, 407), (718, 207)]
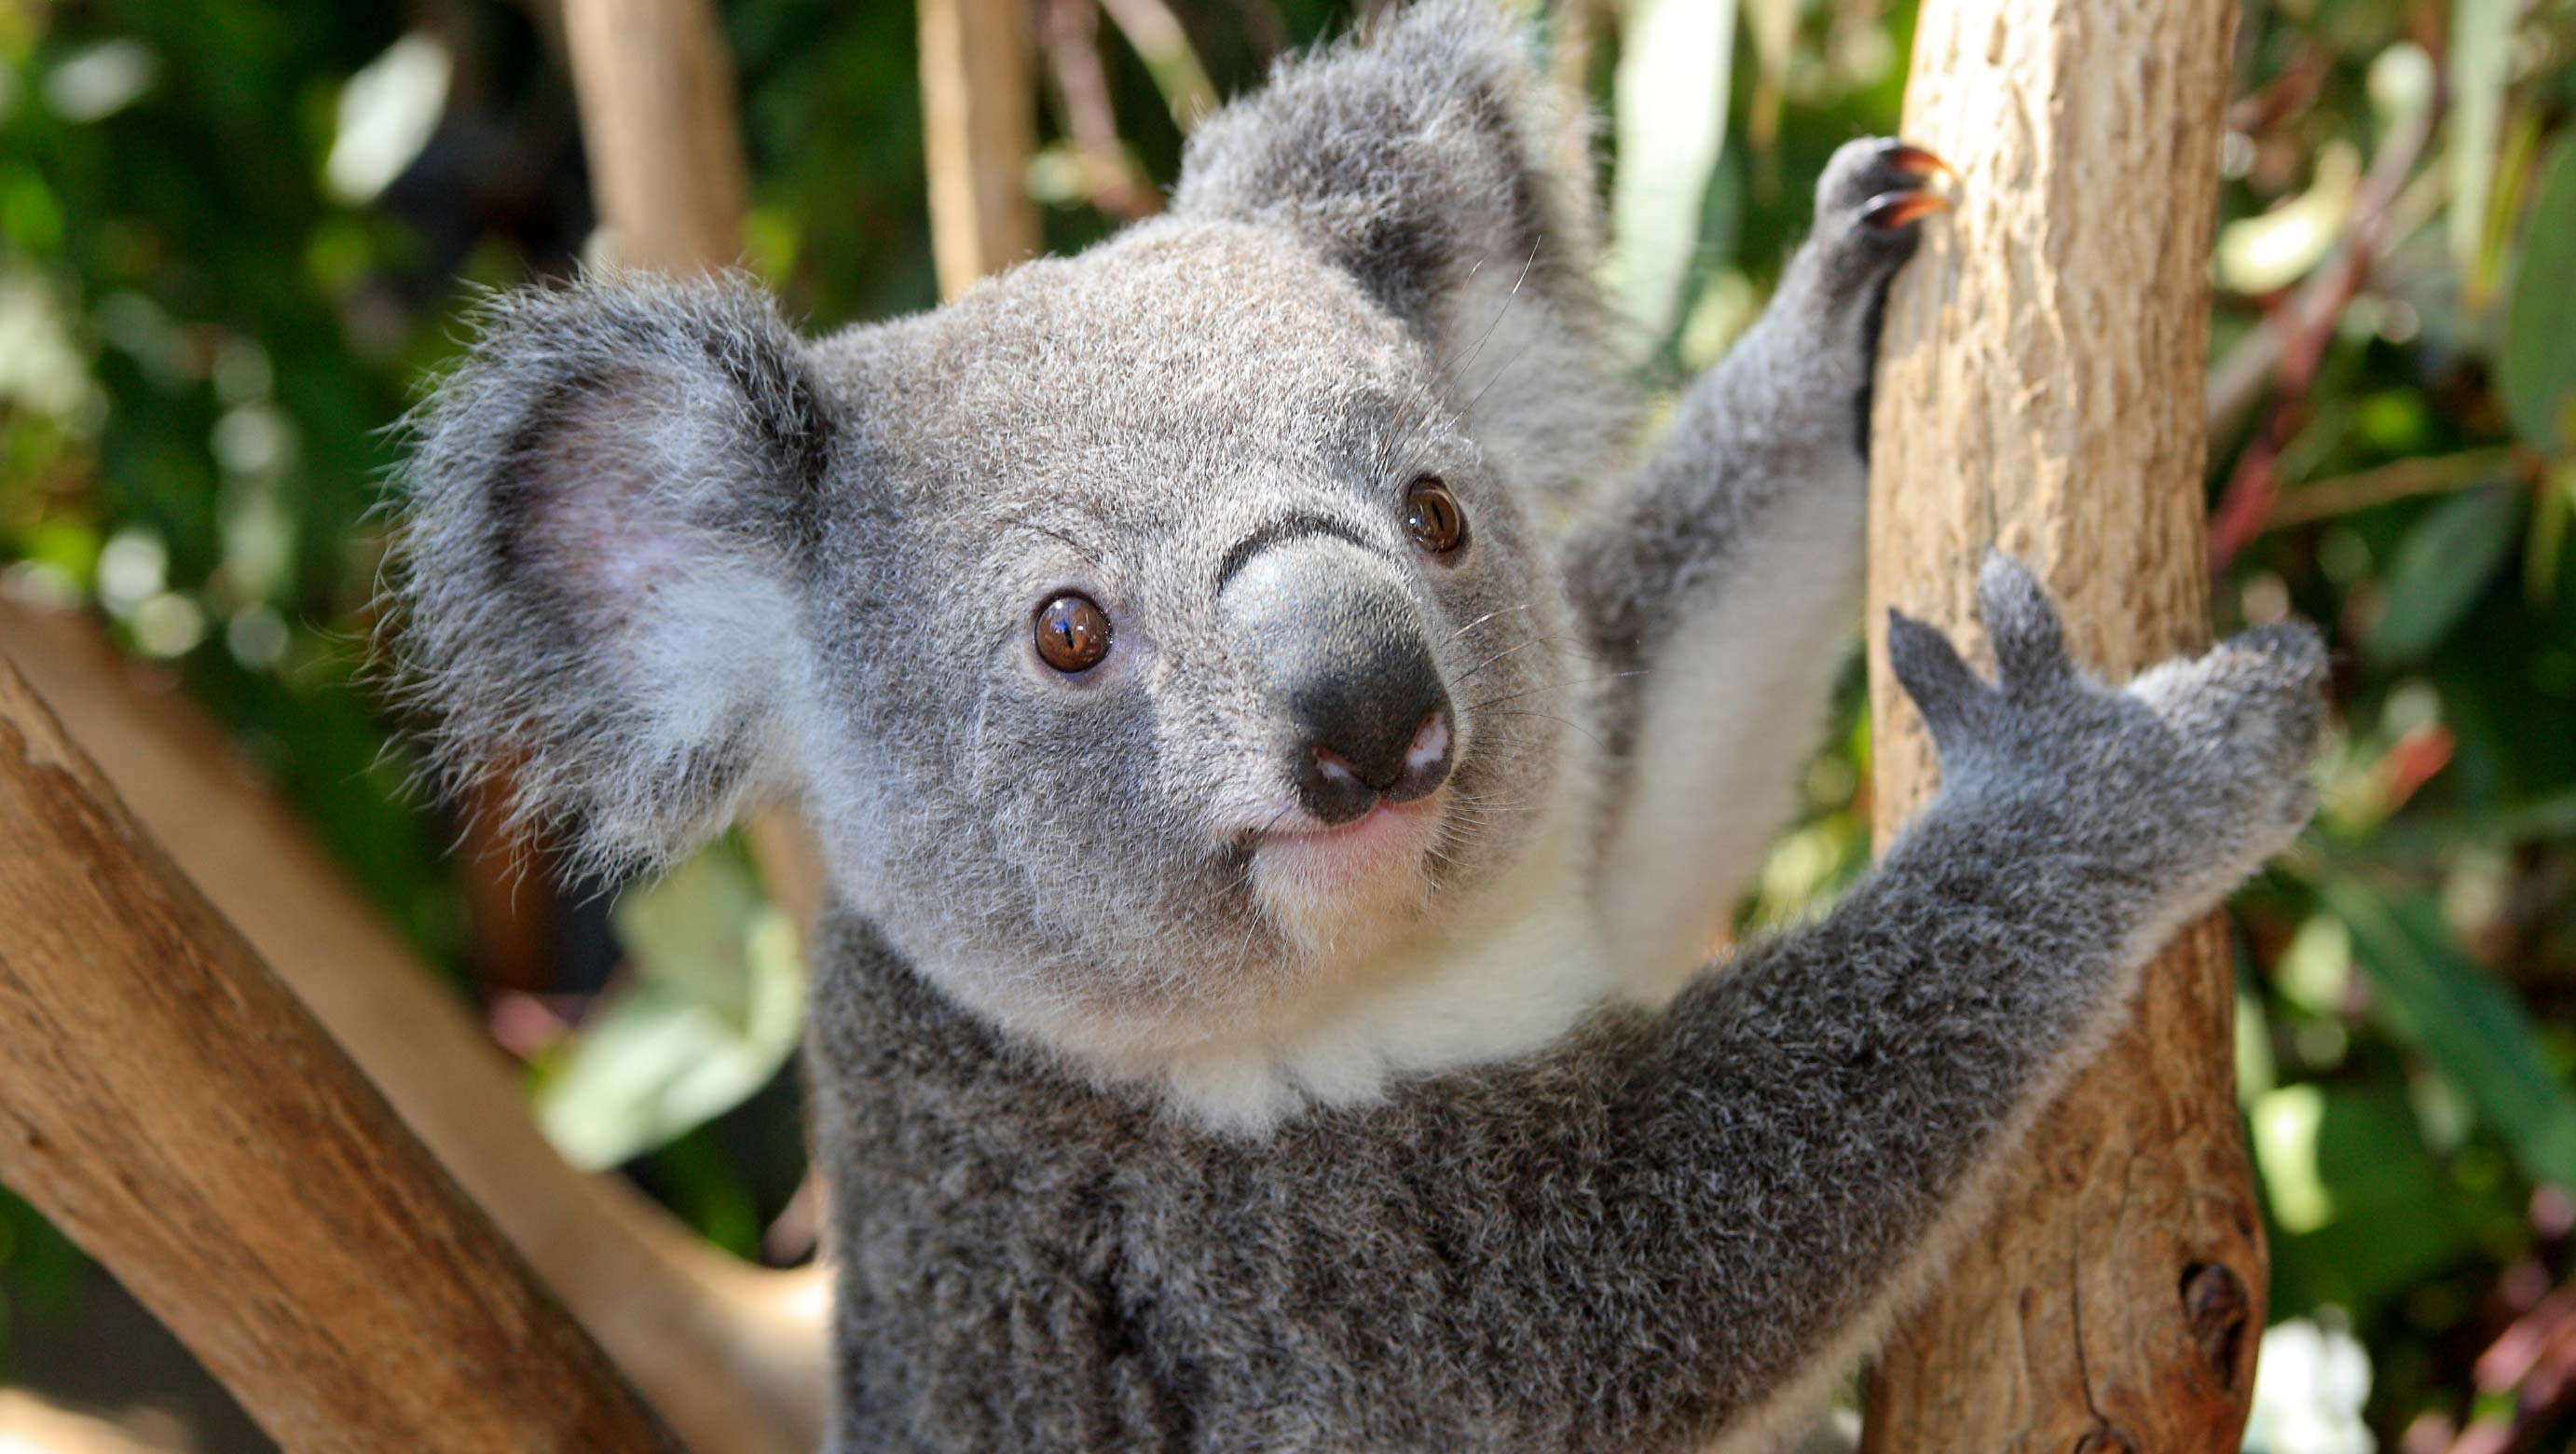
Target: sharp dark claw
[(1915, 161), (1892, 211)]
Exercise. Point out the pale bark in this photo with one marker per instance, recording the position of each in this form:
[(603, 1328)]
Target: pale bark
[(169, 1105), (657, 125), (2040, 389), (731, 1355), (979, 128)]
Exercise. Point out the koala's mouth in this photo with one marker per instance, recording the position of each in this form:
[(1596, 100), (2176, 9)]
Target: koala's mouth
[(1321, 883)]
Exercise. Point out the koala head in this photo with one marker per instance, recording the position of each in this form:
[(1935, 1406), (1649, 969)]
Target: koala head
[(1154, 637)]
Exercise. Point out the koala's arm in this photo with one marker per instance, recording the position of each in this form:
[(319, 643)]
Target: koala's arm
[(1717, 591), (1675, 1222)]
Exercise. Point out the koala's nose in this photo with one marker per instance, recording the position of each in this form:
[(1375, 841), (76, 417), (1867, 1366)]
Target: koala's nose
[(1342, 654), (1374, 750)]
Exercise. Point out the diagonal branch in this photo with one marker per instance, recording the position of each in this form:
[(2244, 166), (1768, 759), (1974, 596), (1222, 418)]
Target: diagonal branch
[(167, 1102), (730, 1354)]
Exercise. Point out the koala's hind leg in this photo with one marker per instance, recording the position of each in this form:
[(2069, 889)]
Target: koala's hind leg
[(1719, 590)]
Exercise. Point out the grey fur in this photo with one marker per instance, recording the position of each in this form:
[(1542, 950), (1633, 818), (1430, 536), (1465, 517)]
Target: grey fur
[(670, 559)]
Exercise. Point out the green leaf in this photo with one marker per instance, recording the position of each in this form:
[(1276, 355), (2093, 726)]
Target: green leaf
[(688, 931), (712, 1013), (2354, 1191), (1669, 121), (2443, 567), (2435, 995), (2537, 372)]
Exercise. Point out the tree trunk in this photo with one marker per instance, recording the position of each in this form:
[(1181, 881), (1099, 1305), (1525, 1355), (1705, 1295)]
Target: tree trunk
[(979, 128), (731, 1354), (2040, 388), (168, 1104), (658, 128)]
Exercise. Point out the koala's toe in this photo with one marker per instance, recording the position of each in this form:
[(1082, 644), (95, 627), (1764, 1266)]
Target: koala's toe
[(1949, 695), (2273, 682), (2297, 650), (2030, 645)]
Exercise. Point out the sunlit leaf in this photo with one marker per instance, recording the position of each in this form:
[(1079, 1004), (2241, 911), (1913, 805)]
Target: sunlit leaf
[(102, 80), (2537, 371), (711, 1015), (1164, 47), (387, 113), (2276, 249), (2346, 1174), (2444, 566), (1669, 118), (2472, 1031)]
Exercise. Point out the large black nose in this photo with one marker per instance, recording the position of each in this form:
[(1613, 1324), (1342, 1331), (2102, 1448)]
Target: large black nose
[(1380, 734), (1343, 655)]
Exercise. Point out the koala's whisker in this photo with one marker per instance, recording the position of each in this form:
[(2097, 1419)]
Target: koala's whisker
[(1488, 616), (1469, 361), (1471, 672)]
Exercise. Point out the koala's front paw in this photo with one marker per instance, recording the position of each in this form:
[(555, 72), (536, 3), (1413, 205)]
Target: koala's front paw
[(1868, 202), (2188, 778)]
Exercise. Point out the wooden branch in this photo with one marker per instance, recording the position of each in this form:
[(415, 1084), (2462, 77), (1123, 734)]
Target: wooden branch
[(173, 1109), (657, 122), (979, 128), (2040, 388), (731, 1355)]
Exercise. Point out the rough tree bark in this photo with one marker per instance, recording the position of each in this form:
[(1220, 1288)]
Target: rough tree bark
[(2040, 388), (730, 1354), (170, 1106)]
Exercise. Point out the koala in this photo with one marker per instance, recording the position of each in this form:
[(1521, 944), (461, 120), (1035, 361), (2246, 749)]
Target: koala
[(1280, 757)]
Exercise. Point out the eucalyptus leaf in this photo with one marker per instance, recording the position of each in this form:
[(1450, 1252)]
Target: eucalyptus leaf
[(2443, 567), (2537, 371), (690, 930), (2347, 1176), (2472, 1031), (658, 1061)]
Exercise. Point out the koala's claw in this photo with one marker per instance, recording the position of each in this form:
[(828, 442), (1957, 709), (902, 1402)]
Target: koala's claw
[(1913, 160), (1882, 185), (1889, 211)]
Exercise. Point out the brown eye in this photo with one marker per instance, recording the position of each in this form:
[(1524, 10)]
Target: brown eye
[(1432, 516), (1073, 634)]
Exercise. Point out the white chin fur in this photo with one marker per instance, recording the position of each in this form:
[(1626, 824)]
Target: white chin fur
[(1342, 891), (1497, 977)]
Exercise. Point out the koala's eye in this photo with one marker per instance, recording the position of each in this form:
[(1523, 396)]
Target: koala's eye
[(1072, 633), (1432, 516)]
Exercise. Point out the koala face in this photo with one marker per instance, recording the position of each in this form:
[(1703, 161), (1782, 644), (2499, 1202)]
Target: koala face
[(1183, 646), (1159, 639)]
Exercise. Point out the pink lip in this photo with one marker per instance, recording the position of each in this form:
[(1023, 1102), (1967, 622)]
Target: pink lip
[(1387, 836)]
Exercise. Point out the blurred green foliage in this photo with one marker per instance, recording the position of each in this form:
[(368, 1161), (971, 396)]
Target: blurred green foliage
[(237, 234)]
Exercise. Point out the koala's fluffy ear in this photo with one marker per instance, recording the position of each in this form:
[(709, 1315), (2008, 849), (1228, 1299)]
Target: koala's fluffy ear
[(1429, 160), (1426, 148), (610, 512)]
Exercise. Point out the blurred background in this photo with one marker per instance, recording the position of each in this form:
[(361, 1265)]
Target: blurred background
[(236, 235)]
